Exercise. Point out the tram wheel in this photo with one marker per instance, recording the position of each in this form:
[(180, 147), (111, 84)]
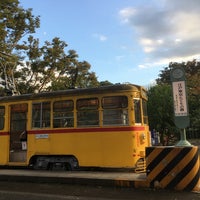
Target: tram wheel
[(67, 167), (50, 166)]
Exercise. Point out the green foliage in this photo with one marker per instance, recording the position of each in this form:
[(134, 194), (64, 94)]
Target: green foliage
[(160, 109), (26, 65), (15, 23), (50, 68), (104, 83)]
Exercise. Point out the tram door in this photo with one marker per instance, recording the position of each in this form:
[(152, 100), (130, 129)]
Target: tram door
[(18, 134)]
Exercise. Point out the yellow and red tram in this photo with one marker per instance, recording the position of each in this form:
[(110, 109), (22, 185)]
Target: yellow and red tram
[(93, 127)]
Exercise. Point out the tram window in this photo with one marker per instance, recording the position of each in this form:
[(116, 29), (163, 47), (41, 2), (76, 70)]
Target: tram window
[(2, 119), (137, 108), (114, 102), (115, 110), (63, 115), (41, 115), (87, 112), (144, 107), (18, 121), (18, 117)]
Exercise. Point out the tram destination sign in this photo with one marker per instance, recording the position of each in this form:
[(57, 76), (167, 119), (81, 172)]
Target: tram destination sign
[(181, 114)]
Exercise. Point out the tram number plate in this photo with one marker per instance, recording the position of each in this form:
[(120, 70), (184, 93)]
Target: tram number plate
[(42, 136)]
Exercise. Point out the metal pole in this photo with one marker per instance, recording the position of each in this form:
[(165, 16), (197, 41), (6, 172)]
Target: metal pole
[(183, 141)]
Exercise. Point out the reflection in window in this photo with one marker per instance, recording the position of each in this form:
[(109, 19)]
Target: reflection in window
[(144, 107), (63, 114), (137, 109), (87, 112), (41, 115), (2, 119), (115, 110), (18, 117)]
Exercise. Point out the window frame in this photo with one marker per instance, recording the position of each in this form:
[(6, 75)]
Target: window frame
[(44, 117), (137, 110), (2, 117), (61, 116), (116, 110), (88, 114)]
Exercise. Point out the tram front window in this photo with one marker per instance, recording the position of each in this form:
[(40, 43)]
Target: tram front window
[(137, 109), (2, 119)]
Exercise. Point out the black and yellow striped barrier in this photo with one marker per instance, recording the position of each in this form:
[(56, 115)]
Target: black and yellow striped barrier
[(173, 167)]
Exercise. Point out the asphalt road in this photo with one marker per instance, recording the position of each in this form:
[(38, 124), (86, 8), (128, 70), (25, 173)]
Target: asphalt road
[(36, 191)]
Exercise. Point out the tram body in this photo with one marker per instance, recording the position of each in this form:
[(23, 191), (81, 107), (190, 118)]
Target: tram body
[(95, 127)]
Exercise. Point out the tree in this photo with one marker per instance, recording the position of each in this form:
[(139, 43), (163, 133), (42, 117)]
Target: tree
[(75, 73), (28, 67), (15, 23), (193, 88), (160, 110), (104, 83), (50, 68)]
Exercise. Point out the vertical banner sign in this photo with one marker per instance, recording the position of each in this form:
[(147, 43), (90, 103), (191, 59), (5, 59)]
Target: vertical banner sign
[(181, 114), (179, 95)]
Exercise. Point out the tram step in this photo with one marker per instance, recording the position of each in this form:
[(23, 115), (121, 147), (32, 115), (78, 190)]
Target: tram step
[(141, 166)]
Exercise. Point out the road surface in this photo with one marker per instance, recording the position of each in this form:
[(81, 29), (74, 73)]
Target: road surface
[(52, 191)]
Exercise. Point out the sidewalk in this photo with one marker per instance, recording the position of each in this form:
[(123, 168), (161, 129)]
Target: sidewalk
[(75, 177)]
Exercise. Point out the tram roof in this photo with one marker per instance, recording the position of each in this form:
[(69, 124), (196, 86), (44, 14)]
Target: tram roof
[(73, 92)]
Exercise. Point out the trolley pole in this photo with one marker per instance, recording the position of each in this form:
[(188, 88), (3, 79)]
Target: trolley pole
[(181, 114)]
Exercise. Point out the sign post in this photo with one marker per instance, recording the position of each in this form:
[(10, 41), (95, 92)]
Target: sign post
[(181, 114)]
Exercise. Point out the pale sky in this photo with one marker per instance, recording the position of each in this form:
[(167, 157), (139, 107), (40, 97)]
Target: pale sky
[(123, 40)]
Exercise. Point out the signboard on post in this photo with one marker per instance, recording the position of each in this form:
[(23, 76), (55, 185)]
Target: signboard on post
[(181, 114)]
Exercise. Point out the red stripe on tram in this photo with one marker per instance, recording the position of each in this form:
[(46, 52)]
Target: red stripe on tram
[(84, 130)]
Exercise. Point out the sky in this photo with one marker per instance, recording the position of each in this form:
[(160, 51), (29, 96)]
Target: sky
[(123, 40)]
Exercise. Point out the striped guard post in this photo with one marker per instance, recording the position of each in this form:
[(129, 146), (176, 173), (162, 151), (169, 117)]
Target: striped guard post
[(173, 167)]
